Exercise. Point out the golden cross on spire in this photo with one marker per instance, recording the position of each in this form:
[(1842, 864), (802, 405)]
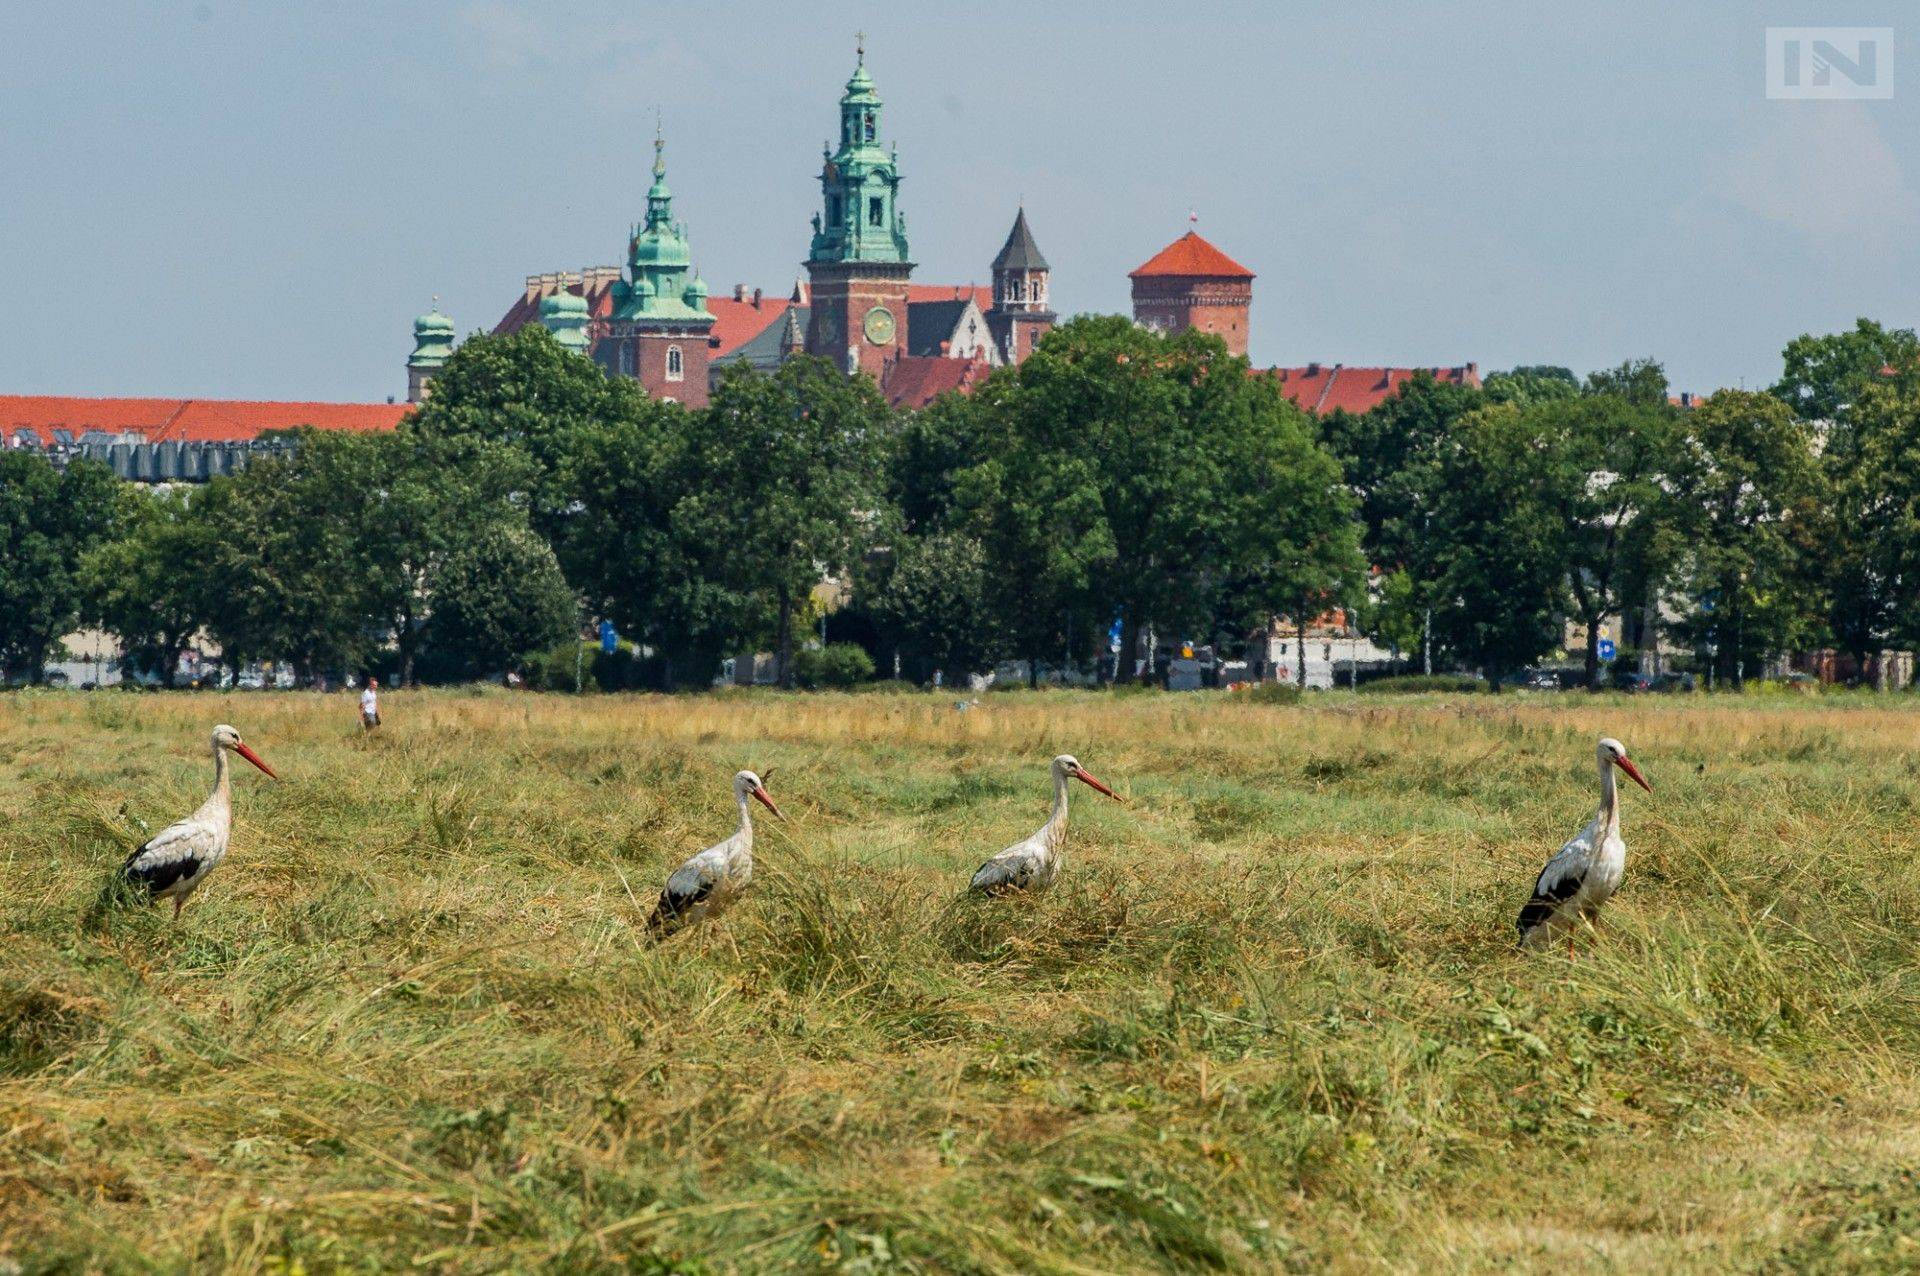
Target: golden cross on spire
[(659, 145), (860, 45)]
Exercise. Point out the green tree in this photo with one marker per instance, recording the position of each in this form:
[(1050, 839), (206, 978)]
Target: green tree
[(1823, 375), (1870, 559), (639, 547), (1530, 385), (933, 602), (426, 496), (788, 473), (1638, 381), (1497, 550), (289, 564), (498, 596), (1603, 461), (526, 390), (145, 585), (50, 519), (1747, 529)]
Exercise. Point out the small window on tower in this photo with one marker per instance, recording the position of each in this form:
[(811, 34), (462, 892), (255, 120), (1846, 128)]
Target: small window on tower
[(876, 207), (676, 370), (626, 359), (868, 125), (833, 210)]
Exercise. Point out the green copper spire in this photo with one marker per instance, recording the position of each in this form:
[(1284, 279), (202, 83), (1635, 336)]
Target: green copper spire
[(564, 314), (432, 339), (859, 184), (659, 263)]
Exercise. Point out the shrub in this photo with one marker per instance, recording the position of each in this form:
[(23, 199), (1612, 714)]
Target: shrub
[(1408, 684), (839, 664), (1273, 693)]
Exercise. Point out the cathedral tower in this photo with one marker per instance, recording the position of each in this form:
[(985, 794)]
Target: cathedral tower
[(432, 343), (858, 263), (1021, 313), (657, 332)]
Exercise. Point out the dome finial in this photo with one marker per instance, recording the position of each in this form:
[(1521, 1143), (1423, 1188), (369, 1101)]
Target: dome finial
[(860, 46), (659, 146)]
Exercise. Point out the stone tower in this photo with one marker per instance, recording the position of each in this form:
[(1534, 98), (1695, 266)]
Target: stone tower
[(1192, 284), (432, 343), (1021, 312), (858, 263), (657, 331)]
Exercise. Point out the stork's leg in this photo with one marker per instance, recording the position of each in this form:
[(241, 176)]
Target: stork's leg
[(177, 901)]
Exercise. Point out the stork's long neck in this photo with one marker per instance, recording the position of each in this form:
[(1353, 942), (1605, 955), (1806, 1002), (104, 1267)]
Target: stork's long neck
[(746, 821), (221, 798), (1609, 814), (1057, 822)]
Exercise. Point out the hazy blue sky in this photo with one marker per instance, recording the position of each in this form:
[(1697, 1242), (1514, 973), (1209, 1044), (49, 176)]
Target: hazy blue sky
[(227, 199)]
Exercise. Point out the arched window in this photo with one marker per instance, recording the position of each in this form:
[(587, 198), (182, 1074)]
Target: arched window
[(626, 359), (676, 370)]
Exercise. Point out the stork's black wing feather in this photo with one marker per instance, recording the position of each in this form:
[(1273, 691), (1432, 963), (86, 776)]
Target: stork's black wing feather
[(156, 877), (667, 913), (1538, 910)]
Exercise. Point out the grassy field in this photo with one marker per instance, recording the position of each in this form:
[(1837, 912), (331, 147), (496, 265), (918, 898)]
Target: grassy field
[(1272, 1018)]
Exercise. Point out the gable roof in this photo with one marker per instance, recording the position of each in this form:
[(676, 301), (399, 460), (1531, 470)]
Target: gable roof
[(914, 381), (736, 321), (1324, 387), (183, 420), (919, 294), (1020, 252), (931, 324), (1191, 255)]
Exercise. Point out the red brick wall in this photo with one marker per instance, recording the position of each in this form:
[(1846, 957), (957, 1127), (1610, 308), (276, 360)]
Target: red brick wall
[(1176, 303), (840, 302)]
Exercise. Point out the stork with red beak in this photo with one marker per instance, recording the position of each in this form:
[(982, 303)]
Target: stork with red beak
[(1588, 869), (713, 879), (179, 857), (1032, 864)]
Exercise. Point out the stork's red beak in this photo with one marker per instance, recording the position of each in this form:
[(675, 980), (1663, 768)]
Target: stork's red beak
[(253, 757), (1086, 777), (1626, 764), (767, 802)]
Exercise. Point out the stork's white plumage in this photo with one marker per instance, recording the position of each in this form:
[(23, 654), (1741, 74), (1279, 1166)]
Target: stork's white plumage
[(714, 878), (177, 859), (1587, 870), (1033, 863)]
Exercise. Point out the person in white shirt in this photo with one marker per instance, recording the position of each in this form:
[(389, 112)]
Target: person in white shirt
[(370, 705)]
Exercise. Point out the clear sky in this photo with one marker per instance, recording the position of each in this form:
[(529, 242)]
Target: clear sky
[(253, 200)]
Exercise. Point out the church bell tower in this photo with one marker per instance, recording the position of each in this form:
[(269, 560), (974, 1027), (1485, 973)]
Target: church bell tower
[(858, 263)]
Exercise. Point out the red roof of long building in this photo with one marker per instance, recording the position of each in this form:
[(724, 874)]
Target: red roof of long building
[(914, 381), (1191, 256), (186, 420), (1324, 387), (982, 295)]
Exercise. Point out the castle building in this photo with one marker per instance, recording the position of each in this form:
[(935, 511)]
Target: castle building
[(1192, 284), (654, 320)]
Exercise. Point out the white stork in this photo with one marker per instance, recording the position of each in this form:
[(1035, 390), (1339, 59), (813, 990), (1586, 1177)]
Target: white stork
[(714, 878), (1587, 870), (1032, 864), (179, 857)]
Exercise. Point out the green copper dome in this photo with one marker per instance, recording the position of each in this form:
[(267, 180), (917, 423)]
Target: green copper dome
[(565, 315), (696, 293), (432, 339), (659, 283), (859, 186)]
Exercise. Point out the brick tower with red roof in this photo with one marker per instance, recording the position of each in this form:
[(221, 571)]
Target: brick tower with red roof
[(1192, 284)]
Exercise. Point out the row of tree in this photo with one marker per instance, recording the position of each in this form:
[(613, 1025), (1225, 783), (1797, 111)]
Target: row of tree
[(1116, 475)]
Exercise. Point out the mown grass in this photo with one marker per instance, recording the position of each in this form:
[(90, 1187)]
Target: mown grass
[(1272, 1018)]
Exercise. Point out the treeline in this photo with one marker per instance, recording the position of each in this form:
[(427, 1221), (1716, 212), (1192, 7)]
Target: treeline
[(1117, 475)]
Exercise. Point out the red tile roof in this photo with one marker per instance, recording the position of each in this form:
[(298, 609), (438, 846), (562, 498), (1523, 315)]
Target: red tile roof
[(982, 296), (1191, 255), (737, 322), (1323, 387), (914, 381), (186, 420)]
